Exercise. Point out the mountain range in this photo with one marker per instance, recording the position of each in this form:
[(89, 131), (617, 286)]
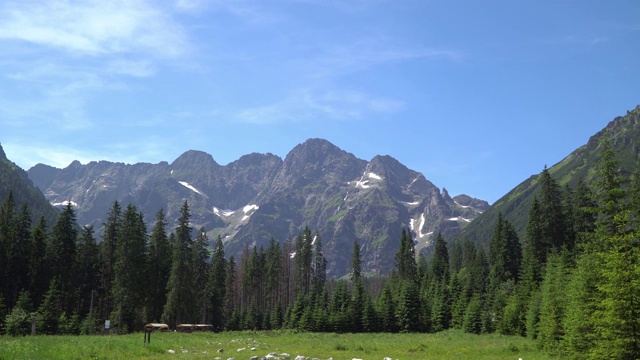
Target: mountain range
[(260, 196), (340, 197)]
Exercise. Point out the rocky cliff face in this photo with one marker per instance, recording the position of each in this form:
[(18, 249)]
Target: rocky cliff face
[(261, 196)]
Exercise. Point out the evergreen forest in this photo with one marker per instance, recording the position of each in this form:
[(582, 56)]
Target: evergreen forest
[(572, 283)]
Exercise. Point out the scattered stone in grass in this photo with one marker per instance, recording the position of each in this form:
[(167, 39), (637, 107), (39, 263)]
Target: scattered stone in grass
[(300, 357), (185, 351), (356, 359), (241, 349), (171, 351), (253, 349), (387, 358), (220, 351), (253, 358), (285, 355)]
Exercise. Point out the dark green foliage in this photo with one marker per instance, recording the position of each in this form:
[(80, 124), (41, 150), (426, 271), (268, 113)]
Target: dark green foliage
[(473, 316), (49, 311), (180, 303), (129, 285), (61, 257), (408, 310), (550, 330), (88, 270), (201, 273), (440, 261), (217, 288), (38, 273), (108, 258), (159, 267), (406, 258)]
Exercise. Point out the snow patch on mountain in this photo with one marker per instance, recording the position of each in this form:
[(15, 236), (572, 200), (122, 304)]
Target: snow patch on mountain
[(64, 203), (248, 208), (374, 176), (458, 218), (462, 206), (190, 187), (221, 213)]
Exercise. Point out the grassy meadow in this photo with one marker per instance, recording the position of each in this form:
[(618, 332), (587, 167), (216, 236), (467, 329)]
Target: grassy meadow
[(444, 345)]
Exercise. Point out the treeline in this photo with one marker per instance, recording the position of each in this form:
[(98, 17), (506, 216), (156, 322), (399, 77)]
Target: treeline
[(572, 284)]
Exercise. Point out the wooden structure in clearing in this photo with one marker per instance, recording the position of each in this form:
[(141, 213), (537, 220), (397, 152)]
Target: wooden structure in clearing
[(151, 327), (193, 327)]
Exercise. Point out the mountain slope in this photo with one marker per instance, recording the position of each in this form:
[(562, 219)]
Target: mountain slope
[(624, 131), (261, 196), (15, 180)]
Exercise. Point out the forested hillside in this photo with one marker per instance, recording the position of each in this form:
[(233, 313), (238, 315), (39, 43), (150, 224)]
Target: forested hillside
[(579, 166), (14, 180), (572, 283)]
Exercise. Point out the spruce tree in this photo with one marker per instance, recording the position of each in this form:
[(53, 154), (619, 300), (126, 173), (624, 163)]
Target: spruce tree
[(217, 286), (160, 257), (108, 257), (38, 272), (61, 257), (553, 305), (357, 288), (180, 297), (440, 262), (200, 270), (88, 270), (130, 272)]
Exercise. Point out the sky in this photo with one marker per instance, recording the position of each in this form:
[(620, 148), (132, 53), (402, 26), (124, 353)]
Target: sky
[(475, 95)]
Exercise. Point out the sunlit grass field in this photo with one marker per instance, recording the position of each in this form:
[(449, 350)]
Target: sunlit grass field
[(170, 345)]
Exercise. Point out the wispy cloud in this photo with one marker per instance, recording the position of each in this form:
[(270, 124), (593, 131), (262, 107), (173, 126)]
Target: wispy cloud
[(92, 27), (339, 59), (65, 53), (305, 105)]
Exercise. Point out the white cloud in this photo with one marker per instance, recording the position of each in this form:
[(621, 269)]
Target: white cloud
[(93, 27), (331, 105)]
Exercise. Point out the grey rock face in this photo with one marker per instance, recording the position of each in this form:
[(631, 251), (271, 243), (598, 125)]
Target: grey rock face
[(261, 196)]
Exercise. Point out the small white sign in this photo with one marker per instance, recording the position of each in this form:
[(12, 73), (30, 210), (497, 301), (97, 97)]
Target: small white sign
[(107, 323)]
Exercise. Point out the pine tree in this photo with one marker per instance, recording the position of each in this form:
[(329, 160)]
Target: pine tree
[(108, 257), (473, 316), (50, 310), (160, 256), (440, 262), (553, 306), (217, 280), (199, 258), (230, 294), (61, 256), (38, 272), (408, 310), (582, 305), (386, 308), (180, 298), (406, 258), (88, 270), (302, 262), (584, 212), (130, 271), (554, 222), (319, 266), (7, 216), (357, 288)]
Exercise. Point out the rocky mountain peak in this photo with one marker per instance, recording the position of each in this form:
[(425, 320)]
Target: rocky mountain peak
[(3, 156), (194, 158), (319, 159)]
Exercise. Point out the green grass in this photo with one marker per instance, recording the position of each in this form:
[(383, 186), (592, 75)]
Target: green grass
[(445, 345)]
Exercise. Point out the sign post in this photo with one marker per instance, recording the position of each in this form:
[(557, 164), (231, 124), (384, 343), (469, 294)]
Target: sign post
[(107, 324)]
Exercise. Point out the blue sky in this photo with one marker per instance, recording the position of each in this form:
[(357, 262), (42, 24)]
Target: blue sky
[(476, 95)]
